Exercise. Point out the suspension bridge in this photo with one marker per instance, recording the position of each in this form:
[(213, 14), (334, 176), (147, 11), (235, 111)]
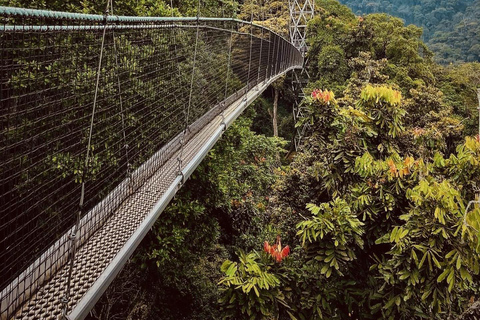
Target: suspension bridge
[(102, 120)]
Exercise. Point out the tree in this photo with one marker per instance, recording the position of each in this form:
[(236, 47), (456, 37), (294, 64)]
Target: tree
[(388, 231)]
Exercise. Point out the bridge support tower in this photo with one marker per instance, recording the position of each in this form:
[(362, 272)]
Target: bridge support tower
[(301, 11)]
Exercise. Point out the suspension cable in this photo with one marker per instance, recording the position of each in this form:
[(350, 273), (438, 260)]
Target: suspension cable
[(261, 45), (268, 68), (229, 62), (73, 234), (194, 64), (250, 55), (122, 110), (182, 142)]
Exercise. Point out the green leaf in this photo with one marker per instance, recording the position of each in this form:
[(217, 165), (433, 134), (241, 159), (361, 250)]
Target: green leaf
[(324, 269), (389, 303), (393, 235), (423, 259), (414, 256), (426, 294), (436, 261), (292, 317), (443, 275), (225, 265), (329, 273), (404, 276), (451, 276)]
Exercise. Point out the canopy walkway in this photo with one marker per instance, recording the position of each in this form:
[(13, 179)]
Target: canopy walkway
[(102, 119)]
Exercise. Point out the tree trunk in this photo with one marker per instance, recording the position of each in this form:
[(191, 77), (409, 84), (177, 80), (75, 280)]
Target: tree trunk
[(275, 107)]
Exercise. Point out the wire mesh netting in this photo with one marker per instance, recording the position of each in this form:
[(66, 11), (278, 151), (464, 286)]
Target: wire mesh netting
[(85, 101)]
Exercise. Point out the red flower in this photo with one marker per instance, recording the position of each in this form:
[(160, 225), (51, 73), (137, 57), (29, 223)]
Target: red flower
[(276, 250), (316, 94)]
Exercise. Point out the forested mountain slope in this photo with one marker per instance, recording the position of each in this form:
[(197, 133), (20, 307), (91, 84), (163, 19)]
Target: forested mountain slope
[(451, 27)]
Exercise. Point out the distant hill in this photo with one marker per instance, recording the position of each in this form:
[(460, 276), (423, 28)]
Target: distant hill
[(451, 27)]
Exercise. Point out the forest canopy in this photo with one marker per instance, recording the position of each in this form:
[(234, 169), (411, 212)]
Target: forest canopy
[(451, 29)]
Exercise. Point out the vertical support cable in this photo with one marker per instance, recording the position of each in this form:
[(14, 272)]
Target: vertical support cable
[(260, 60), (228, 76), (122, 110), (280, 56), (262, 16), (182, 140), (277, 53), (267, 69), (194, 64), (250, 56), (73, 236), (229, 60)]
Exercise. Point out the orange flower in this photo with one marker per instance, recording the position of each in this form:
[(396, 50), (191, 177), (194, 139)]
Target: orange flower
[(408, 161), (324, 96), (417, 132), (393, 168), (276, 250)]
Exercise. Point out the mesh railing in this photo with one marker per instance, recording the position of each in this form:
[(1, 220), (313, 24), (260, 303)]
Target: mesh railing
[(85, 100)]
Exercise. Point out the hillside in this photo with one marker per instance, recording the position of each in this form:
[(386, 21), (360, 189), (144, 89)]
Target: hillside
[(451, 28)]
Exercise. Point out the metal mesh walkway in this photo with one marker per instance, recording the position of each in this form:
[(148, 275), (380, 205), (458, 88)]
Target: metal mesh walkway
[(102, 118)]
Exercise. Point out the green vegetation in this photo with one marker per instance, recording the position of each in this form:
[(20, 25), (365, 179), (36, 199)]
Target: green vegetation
[(373, 208), (450, 28)]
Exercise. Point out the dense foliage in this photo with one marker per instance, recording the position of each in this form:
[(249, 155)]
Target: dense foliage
[(450, 28), (374, 208), (375, 204)]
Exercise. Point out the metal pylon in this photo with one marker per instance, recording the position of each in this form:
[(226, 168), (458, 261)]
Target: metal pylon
[(299, 81), (301, 11)]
